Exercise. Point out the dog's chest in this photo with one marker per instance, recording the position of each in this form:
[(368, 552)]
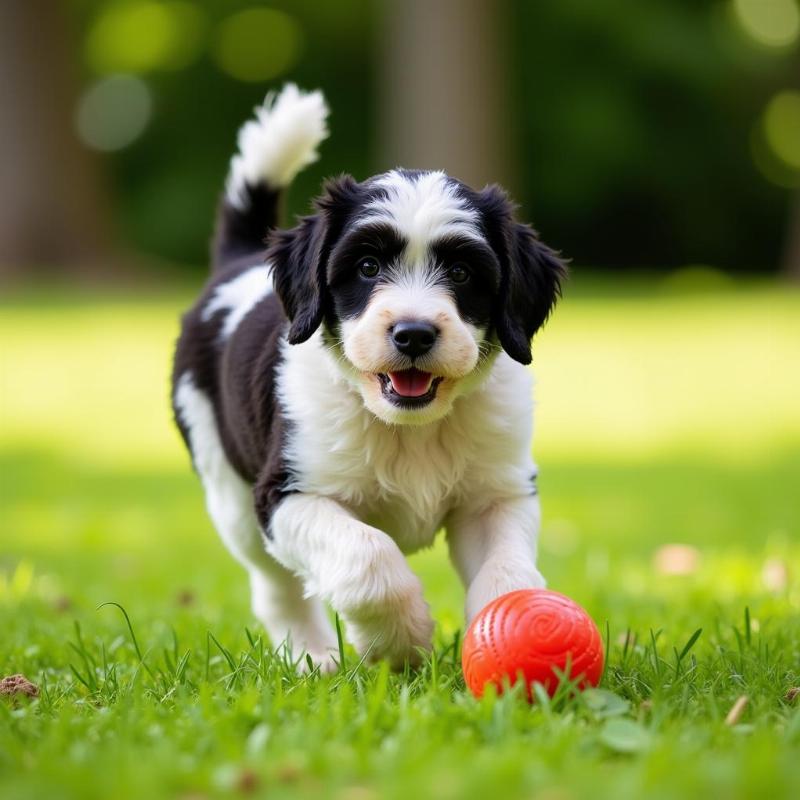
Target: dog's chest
[(412, 483), (402, 481)]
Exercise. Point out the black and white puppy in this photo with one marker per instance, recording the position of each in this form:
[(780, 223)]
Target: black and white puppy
[(360, 384)]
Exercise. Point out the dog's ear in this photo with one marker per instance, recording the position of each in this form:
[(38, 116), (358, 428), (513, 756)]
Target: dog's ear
[(298, 275), (531, 275), (299, 258), (528, 291)]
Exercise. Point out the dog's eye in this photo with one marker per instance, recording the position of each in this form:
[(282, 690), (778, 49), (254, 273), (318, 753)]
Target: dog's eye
[(369, 267), (459, 273)]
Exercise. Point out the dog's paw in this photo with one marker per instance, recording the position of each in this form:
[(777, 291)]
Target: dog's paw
[(397, 627), (392, 620), (380, 599)]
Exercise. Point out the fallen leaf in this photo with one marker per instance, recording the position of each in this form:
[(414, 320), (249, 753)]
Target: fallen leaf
[(18, 684), (185, 598), (737, 709), (247, 782)]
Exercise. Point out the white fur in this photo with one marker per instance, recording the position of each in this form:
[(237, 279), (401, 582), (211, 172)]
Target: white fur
[(277, 595), (278, 143), (237, 297), (422, 209)]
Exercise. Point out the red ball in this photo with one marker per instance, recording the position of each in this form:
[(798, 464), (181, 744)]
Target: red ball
[(525, 635)]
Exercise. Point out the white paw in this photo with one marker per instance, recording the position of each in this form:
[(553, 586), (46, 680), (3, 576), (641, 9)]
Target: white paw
[(396, 627), (381, 601)]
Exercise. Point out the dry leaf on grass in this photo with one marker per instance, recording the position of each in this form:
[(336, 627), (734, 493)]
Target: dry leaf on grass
[(737, 709), (18, 684)]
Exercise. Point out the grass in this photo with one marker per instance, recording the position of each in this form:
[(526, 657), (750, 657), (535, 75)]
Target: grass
[(665, 416)]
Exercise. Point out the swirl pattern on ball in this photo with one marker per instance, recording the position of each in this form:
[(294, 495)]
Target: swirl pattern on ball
[(525, 635)]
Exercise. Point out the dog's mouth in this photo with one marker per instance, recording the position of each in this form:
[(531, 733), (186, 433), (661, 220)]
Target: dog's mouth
[(409, 388)]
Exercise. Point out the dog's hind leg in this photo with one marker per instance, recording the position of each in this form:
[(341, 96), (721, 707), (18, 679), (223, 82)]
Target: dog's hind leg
[(277, 595)]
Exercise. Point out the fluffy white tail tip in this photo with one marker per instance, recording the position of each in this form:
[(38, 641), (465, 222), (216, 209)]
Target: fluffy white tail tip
[(280, 141)]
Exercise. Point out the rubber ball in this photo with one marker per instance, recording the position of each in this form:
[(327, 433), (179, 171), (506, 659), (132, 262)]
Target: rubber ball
[(527, 635)]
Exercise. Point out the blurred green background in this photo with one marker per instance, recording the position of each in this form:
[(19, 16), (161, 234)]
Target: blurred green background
[(633, 134)]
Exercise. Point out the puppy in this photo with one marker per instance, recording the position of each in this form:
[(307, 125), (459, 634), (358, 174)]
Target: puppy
[(352, 385)]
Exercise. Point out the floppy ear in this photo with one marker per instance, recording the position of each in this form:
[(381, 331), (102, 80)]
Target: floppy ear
[(531, 275), (299, 258), (298, 274), (528, 291)]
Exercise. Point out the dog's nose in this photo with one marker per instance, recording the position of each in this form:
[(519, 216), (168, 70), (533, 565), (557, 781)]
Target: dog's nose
[(414, 338)]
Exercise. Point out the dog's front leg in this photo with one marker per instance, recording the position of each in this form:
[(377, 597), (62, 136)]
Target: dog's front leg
[(356, 568), (494, 549)]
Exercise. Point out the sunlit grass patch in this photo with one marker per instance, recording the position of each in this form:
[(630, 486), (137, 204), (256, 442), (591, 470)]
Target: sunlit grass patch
[(715, 373), (90, 382)]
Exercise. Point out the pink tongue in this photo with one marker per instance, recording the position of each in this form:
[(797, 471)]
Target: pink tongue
[(411, 382)]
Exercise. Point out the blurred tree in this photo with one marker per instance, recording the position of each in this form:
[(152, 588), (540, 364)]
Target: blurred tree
[(632, 133), (443, 104), (53, 209)]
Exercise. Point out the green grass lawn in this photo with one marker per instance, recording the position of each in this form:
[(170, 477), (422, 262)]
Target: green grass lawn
[(665, 416)]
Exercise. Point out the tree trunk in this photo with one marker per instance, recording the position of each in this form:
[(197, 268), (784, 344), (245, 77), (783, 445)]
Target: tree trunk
[(443, 86), (52, 206)]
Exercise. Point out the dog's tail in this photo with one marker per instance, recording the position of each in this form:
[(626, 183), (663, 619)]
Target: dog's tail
[(280, 141)]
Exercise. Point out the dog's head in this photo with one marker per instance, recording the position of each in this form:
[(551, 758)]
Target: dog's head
[(417, 281)]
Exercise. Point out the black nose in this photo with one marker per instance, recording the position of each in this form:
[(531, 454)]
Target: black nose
[(414, 338)]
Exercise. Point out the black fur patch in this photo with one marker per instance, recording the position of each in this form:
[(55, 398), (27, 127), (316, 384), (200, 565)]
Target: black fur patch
[(299, 256), (531, 274), (475, 298), (349, 289), (240, 232), (238, 378)]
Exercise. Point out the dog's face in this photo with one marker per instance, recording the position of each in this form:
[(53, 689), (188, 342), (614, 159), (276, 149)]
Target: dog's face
[(418, 281)]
